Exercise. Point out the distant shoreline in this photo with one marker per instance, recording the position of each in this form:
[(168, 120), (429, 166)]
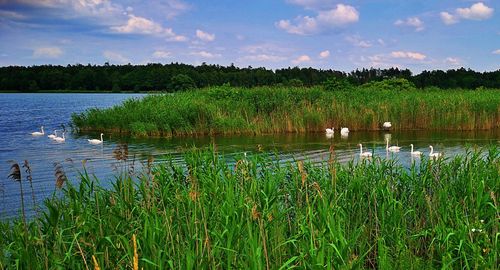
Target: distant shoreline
[(77, 92)]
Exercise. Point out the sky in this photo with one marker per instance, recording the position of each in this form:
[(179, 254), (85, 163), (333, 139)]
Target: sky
[(327, 34)]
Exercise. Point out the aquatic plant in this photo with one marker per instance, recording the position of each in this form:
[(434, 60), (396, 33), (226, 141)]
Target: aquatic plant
[(258, 212), (226, 110)]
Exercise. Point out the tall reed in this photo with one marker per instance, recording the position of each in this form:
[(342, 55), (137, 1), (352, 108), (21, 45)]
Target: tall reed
[(225, 110), (260, 213)]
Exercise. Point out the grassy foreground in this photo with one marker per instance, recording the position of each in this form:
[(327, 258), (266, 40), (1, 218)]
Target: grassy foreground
[(262, 214), (226, 110)]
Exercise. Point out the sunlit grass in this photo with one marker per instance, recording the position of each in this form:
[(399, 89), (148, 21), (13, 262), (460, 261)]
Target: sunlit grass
[(226, 110), (261, 213)]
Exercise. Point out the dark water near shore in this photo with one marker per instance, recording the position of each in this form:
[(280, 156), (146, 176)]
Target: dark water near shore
[(21, 114)]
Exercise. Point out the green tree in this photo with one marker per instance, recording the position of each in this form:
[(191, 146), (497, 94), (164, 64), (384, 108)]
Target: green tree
[(181, 82)]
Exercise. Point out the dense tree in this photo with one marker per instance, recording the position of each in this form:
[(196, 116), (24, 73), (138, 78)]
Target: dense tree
[(160, 77)]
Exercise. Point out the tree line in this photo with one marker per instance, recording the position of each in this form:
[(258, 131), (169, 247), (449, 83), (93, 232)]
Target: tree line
[(176, 76)]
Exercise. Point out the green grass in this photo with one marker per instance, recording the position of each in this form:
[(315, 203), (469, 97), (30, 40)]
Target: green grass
[(260, 213), (264, 110)]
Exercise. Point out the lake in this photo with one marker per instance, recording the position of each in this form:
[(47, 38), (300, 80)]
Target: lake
[(22, 114)]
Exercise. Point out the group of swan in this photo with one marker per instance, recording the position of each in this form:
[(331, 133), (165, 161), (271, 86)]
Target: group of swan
[(343, 131), (63, 138), (432, 154)]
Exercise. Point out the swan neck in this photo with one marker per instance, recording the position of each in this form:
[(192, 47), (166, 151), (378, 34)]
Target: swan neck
[(432, 150), (360, 149)]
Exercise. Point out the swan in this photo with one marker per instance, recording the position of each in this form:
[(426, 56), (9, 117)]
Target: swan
[(60, 139), (38, 133), (96, 141), (415, 153), (329, 130), (434, 155), (53, 136), (344, 131), (364, 154), (391, 148), (387, 125)]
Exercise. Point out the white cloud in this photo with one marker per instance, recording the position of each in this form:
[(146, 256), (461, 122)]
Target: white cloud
[(301, 59), (47, 52), (477, 11), (408, 55), (447, 18), (381, 42), (204, 36), (140, 25), (358, 42), (324, 20), (12, 15), (115, 57), (324, 54), (496, 51), (412, 22), (453, 61), (263, 58), (205, 54), (161, 54), (104, 9)]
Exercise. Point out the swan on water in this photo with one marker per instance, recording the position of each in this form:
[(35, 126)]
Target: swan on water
[(96, 141), (344, 131), (391, 148), (53, 136), (38, 133), (60, 139), (387, 125), (329, 130), (415, 153), (364, 154), (434, 155)]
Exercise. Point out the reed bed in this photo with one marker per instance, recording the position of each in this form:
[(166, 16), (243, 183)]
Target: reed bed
[(264, 110), (262, 214)]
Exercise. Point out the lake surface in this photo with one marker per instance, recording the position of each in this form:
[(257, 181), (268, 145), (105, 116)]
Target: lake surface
[(21, 114)]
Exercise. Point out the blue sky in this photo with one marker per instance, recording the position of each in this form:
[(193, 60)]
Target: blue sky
[(330, 34)]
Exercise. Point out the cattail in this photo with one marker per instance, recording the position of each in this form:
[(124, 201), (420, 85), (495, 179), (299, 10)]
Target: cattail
[(15, 172), (136, 256), (59, 174)]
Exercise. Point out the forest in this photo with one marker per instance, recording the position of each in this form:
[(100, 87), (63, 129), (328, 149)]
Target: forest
[(176, 76)]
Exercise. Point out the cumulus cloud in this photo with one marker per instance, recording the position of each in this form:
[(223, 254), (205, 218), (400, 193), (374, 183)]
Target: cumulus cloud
[(204, 36), (205, 54), (358, 42), (115, 57), (478, 11), (104, 9), (47, 52), (325, 19), (496, 51), (408, 55), (414, 22), (301, 59), (453, 61), (140, 25), (263, 58), (161, 54), (324, 54)]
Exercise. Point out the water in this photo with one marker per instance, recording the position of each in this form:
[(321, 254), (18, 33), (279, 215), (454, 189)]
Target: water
[(21, 114)]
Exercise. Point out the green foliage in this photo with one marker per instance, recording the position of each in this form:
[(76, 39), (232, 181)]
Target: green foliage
[(394, 84), (337, 84), (295, 83), (228, 110), (181, 82), (258, 212)]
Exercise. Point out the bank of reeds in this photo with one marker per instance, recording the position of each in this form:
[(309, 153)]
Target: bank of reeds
[(226, 110), (262, 214)]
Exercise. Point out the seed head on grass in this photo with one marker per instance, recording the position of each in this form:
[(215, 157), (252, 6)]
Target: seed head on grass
[(59, 174), (15, 172)]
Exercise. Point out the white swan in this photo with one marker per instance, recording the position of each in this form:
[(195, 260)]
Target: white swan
[(329, 130), (434, 155), (364, 154), (344, 131), (415, 153), (96, 141), (60, 139), (391, 148), (38, 133), (53, 136), (387, 125)]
